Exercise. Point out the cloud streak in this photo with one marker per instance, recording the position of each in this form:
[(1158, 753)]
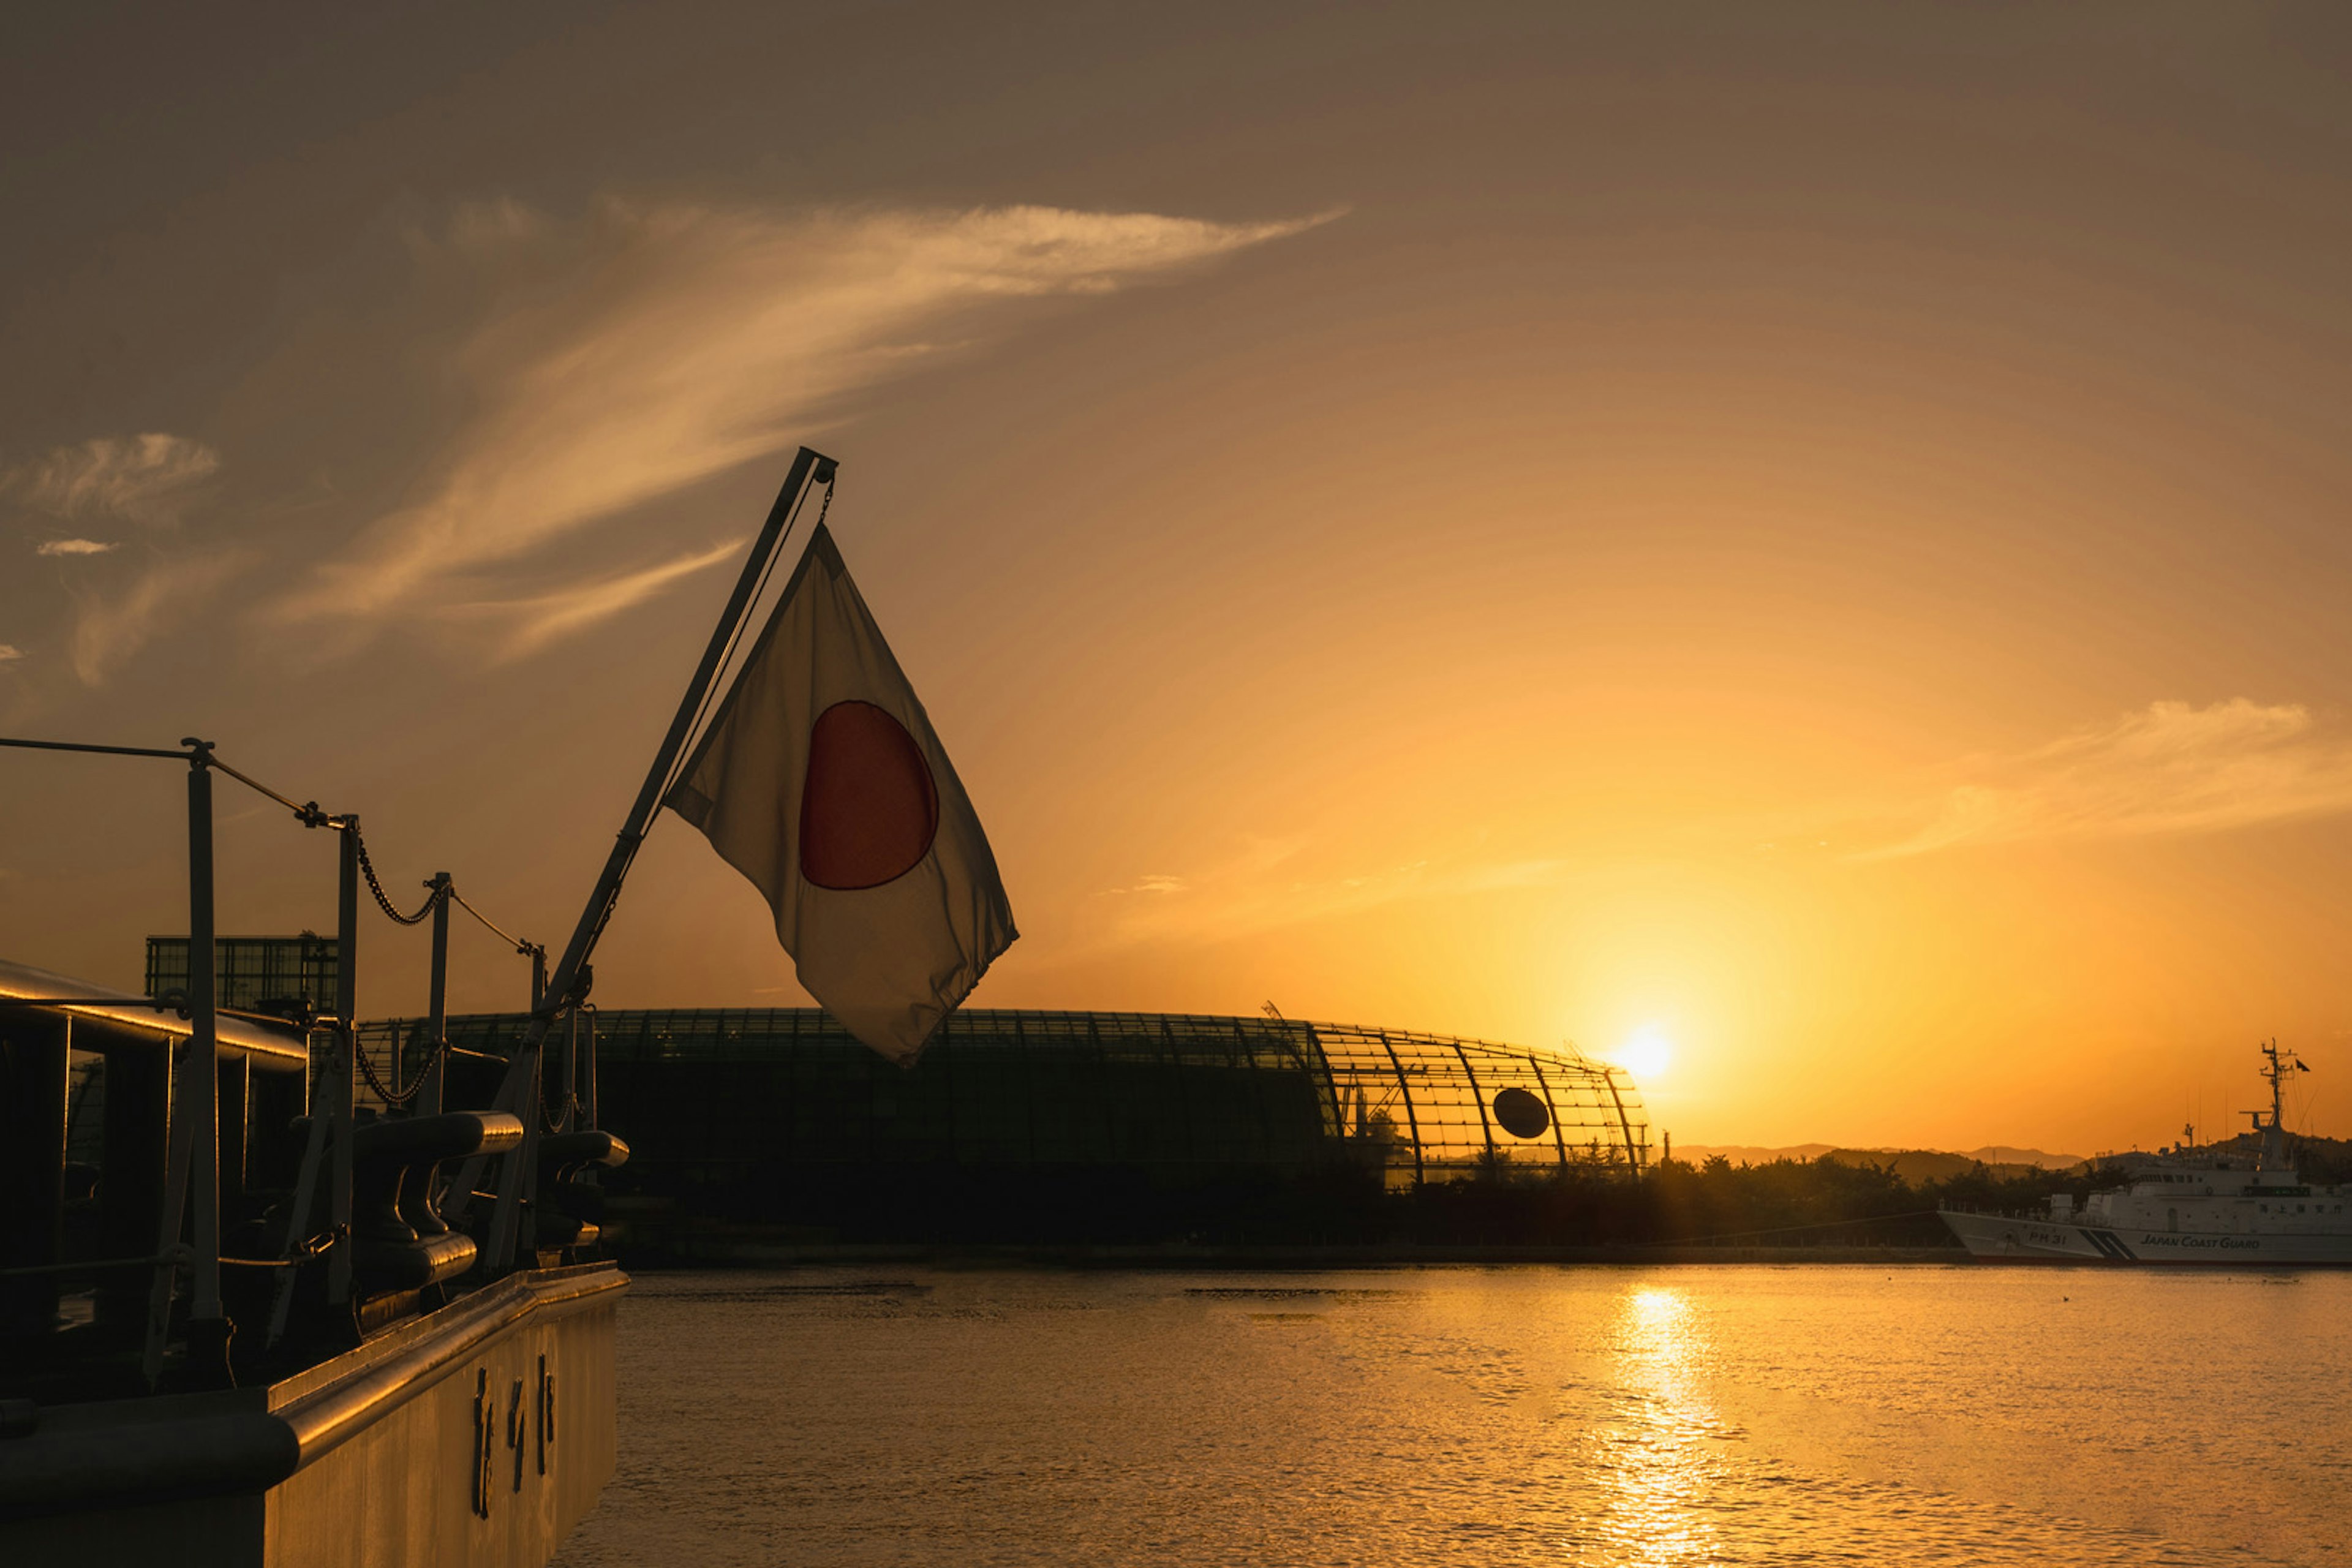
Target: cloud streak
[(1249, 895), (144, 479), (651, 347), (147, 479), (527, 625), (2169, 768), (109, 629)]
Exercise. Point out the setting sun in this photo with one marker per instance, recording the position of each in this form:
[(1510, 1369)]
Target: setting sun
[(1645, 1053)]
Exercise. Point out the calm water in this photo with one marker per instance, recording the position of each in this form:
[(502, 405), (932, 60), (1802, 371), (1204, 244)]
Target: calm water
[(1472, 1415)]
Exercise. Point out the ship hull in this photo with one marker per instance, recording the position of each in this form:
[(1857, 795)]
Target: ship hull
[(475, 1436), (2010, 1239)]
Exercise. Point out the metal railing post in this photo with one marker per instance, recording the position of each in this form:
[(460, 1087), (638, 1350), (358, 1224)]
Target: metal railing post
[(437, 1025), (193, 1161), (341, 1088), (203, 1066)]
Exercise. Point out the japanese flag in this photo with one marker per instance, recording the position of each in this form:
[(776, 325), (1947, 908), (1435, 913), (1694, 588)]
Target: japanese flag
[(820, 779)]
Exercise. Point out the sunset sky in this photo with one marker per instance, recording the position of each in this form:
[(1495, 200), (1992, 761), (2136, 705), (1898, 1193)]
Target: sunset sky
[(1814, 534)]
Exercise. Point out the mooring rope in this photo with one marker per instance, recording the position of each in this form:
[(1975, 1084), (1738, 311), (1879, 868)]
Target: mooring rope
[(492, 926)]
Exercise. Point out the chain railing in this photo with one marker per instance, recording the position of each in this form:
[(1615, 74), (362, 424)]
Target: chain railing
[(375, 1082), (310, 815), (384, 900), (439, 888)]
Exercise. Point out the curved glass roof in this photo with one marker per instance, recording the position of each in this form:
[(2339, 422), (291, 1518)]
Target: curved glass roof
[(1004, 1087)]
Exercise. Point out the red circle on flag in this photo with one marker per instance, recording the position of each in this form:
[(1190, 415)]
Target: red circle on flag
[(869, 808)]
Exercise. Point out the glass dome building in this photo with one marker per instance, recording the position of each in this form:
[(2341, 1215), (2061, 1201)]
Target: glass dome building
[(1165, 1096)]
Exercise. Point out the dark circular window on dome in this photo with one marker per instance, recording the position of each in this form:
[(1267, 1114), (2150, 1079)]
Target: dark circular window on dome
[(1521, 1113)]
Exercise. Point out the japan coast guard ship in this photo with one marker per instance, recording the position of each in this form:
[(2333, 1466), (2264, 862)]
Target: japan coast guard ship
[(2186, 1207)]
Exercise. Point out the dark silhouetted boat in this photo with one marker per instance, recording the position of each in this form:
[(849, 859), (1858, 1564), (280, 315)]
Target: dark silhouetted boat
[(246, 1318)]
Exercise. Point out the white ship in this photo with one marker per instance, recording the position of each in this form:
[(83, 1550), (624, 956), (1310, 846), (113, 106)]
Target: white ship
[(2188, 1206)]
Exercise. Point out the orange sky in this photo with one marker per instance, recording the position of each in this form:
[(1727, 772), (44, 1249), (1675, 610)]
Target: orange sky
[(1816, 530)]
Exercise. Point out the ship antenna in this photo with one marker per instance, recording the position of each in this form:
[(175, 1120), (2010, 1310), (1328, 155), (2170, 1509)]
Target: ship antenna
[(2274, 1069), (2278, 1087)]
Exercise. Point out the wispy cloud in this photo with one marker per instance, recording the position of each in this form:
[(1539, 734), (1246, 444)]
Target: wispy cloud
[(1148, 884), (109, 629), (144, 479), (525, 626), (147, 479), (9, 651), (2169, 768), (649, 347), (1258, 890)]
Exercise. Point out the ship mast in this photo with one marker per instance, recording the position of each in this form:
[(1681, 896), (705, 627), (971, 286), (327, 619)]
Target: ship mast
[(2276, 1064)]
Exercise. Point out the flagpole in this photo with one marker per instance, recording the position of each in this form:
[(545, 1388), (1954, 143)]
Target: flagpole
[(809, 467)]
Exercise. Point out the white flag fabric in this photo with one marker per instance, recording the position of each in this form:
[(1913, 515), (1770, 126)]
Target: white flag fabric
[(821, 780)]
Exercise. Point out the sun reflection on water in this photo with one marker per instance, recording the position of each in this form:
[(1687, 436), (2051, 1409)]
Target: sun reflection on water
[(1654, 1463)]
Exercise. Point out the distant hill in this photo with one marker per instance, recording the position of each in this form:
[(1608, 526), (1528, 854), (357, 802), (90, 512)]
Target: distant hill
[(1916, 1165), (2003, 1155), (1911, 1164), (1749, 1154)]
